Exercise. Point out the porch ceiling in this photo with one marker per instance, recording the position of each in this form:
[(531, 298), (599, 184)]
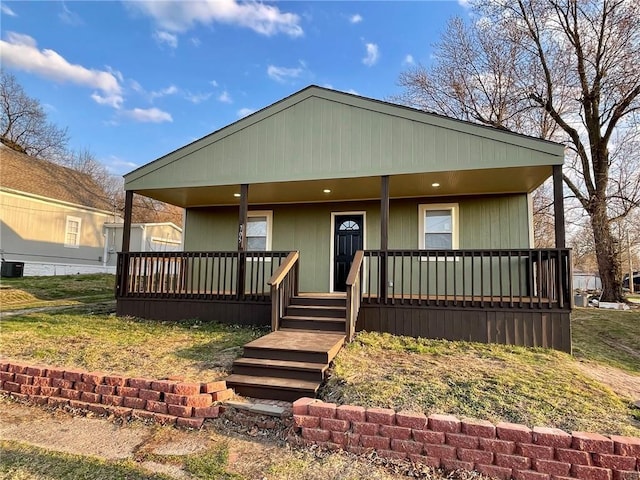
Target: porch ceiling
[(451, 183)]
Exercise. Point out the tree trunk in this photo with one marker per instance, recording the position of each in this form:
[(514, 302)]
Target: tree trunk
[(606, 254)]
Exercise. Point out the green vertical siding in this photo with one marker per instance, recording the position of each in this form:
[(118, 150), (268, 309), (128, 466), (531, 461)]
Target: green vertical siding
[(485, 223), (324, 134)]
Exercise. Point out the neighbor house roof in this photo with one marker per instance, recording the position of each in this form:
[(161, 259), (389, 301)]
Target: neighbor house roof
[(23, 173)]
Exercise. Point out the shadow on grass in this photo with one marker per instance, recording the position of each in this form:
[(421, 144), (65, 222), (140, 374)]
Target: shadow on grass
[(87, 288), (224, 348), (19, 460)]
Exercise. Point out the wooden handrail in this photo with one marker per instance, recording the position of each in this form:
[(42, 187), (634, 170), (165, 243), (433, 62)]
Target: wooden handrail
[(355, 268), (354, 294), (513, 278), (283, 269), (284, 285)]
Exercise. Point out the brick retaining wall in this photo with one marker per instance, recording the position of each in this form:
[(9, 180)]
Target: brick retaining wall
[(167, 402), (502, 451)]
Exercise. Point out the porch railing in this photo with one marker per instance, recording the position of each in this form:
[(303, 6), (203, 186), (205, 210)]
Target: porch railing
[(284, 285), (196, 275), (354, 294), (531, 278)]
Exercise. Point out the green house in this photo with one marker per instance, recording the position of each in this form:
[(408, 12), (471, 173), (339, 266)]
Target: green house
[(391, 218)]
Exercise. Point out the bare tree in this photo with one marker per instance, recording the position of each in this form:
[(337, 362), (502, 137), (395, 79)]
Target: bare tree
[(543, 220), (24, 125), (565, 70)]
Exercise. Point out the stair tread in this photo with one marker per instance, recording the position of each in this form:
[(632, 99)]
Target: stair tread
[(273, 382), (288, 364), (315, 319), (321, 295), (298, 340), (319, 307)]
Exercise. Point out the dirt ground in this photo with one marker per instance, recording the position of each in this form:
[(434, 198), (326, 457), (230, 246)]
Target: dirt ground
[(624, 384)]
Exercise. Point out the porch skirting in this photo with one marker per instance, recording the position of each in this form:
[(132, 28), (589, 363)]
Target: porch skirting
[(241, 312), (530, 328)]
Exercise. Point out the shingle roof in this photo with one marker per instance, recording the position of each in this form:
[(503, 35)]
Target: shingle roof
[(24, 173)]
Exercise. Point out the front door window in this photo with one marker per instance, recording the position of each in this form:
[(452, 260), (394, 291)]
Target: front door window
[(348, 239)]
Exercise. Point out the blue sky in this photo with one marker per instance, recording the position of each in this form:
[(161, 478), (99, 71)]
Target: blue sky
[(135, 80)]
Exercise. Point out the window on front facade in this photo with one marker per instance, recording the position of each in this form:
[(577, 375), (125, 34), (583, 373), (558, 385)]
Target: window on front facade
[(72, 232), (259, 231), (438, 228)]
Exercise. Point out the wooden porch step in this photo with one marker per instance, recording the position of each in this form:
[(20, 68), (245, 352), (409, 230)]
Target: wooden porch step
[(263, 367), (327, 324), (274, 388), (286, 364), (317, 311), (320, 299), (298, 346)]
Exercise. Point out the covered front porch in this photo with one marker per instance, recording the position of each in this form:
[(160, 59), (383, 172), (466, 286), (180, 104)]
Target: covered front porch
[(519, 297)]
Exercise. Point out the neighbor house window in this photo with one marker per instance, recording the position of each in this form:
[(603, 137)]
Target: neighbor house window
[(259, 231), (72, 232), (438, 226)]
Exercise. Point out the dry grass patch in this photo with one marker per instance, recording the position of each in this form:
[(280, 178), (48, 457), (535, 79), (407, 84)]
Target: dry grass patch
[(32, 292), (494, 382), (129, 346), (607, 336)]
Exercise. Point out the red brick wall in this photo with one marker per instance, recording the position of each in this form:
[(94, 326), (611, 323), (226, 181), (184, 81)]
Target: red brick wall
[(167, 402), (503, 451)]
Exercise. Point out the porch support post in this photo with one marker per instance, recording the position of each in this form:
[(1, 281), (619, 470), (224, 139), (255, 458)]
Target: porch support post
[(384, 236), (242, 238), (558, 206), (126, 230)]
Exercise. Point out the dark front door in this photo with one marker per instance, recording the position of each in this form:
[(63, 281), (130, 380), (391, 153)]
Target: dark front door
[(347, 241)]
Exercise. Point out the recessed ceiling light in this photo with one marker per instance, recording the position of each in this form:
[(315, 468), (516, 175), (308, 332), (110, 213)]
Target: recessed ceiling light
[(236, 195), (436, 184), (326, 190)]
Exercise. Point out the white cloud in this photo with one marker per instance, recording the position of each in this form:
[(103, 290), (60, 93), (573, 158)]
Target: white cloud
[(169, 39), (116, 164), (373, 54), (408, 59), (69, 17), (464, 3), (148, 115), (21, 52), (170, 90), (7, 11), (214, 83), (356, 18), (224, 97), (353, 92), (243, 112), (180, 16), (197, 98), (195, 41), (282, 74)]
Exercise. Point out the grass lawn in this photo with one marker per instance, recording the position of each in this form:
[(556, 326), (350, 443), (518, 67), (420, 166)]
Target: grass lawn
[(536, 387), (25, 462), (31, 292), (128, 346), (607, 336)]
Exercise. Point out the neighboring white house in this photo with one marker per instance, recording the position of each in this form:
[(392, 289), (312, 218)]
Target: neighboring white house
[(58, 221), (145, 237)]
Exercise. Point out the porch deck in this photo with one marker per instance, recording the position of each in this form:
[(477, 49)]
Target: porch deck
[(520, 297)]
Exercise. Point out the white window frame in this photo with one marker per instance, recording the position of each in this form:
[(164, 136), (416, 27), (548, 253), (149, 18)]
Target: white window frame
[(77, 220), (269, 216), (455, 226)]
